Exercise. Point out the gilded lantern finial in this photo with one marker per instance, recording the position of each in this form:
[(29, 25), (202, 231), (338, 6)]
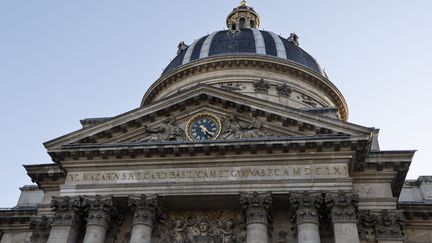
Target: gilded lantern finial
[(243, 17)]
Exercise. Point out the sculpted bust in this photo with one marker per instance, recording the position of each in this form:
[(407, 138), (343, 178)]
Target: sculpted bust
[(204, 236)]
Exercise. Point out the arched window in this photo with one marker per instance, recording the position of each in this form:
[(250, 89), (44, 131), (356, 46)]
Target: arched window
[(252, 24), (242, 23), (233, 27)]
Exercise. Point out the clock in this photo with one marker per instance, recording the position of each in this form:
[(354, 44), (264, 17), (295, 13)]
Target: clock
[(203, 126)]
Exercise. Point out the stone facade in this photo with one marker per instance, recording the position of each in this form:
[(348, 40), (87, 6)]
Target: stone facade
[(225, 149)]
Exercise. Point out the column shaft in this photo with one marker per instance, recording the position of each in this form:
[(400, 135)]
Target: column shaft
[(62, 234), (257, 233), (345, 232), (95, 234), (141, 234), (308, 233)]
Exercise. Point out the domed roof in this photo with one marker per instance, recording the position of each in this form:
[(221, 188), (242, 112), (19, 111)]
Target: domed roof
[(244, 42)]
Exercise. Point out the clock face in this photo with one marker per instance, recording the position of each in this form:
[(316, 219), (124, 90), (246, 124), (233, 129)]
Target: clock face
[(204, 126)]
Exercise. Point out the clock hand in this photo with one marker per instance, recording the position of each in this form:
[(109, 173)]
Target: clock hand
[(206, 131)]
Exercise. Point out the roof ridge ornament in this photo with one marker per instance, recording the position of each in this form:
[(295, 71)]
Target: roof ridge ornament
[(243, 17)]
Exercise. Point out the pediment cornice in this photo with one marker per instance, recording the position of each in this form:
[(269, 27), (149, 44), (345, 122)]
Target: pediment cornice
[(231, 102)]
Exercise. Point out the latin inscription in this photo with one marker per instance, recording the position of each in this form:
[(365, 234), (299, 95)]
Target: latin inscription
[(210, 174)]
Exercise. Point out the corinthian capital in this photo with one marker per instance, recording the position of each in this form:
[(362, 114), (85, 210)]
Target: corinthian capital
[(99, 210), (305, 206), (343, 206), (145, 209), (256, 206), (66, 210)]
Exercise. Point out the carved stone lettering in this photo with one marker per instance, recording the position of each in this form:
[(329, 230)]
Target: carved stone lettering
[(221, 174)]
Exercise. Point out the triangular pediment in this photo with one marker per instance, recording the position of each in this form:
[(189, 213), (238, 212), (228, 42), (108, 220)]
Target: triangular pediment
[(240, 116)]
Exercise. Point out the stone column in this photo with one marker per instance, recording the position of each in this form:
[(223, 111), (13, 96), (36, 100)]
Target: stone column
[(257, 208), (144, 216), (305, 206), (65, 224), (99, 218), (343, 207)]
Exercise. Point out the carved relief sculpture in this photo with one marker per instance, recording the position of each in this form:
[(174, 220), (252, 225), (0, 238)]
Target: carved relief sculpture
[(233, 128), (284, 90), (202, 227), (168, 131), (261, 86)]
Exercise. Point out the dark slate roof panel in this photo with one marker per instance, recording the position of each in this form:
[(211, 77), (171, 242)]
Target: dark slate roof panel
[(178, 61), (226, 42), (197, 49), (269, 44), (298, 55)]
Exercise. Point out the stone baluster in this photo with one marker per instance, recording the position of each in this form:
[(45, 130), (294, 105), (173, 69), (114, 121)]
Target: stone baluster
[(343, 208), (65, 226), (99, 211), (257, 208), (145, 210), (305, 206)]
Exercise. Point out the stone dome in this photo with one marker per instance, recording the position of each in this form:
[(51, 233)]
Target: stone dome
[(247, 41)]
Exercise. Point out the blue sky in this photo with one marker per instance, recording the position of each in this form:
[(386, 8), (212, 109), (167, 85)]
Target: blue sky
[(61, 61)]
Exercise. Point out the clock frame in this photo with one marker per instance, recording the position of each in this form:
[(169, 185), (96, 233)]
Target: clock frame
[(203, 119)]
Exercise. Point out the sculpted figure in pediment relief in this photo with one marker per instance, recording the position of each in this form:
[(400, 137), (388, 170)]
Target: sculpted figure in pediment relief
[(233, 128), (168, 131)]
